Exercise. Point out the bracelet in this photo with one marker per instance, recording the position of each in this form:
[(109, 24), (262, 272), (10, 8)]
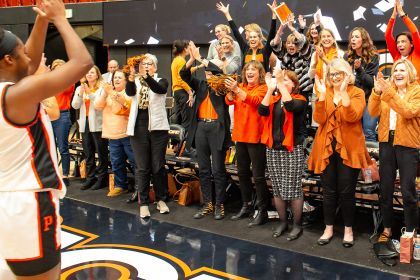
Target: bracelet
[(404, 15)]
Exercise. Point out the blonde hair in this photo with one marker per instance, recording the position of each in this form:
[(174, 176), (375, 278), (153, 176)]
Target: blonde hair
[(341, 65), (332, 35), (56, 63), (253, 27), (98, 80), (411, 70), (224, 27)]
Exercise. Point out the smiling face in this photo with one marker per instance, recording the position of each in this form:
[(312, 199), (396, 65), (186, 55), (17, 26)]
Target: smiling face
[(227, 45), (92, 76), (336, 77), (291, 45), (254, 40), (119, 81), (252, 75), (356, 40), (327, 39), (404, 45), (219, 32), (313, 31), (400, 76)]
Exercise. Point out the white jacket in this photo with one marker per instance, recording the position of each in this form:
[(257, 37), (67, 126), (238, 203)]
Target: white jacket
[(158, 119), (95, 116)]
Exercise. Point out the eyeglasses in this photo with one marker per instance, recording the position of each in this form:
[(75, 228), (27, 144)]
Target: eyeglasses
[(146, 63), (336, 75)]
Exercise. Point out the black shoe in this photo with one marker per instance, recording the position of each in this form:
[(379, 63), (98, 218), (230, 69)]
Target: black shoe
[(324, 241), (295, 233), (280, 229), (245, 212), (66, 181), (348, 244), (133, 198), (99, 185), (219, 212), (205, 210), (87, 184), (261, 218)]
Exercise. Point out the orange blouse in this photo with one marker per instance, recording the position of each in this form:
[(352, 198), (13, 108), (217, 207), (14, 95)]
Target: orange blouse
[(342, 124), (248, 123)]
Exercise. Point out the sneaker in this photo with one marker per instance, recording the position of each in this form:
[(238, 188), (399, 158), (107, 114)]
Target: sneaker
[(205, 210), (219, 212), (116, 192), (162, 207), (144, 211)]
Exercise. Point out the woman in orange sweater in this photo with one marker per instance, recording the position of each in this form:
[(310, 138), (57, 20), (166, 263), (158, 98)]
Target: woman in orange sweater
[(397, 103), (406, 44), (339, 150), (112, 102), (247, 134)]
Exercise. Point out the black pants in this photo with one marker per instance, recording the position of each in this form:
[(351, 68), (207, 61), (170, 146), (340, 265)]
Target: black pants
[(210, 161), (339, 185), (247, 153), (92, 141), (149, 149), (405, 159), (183, 112)]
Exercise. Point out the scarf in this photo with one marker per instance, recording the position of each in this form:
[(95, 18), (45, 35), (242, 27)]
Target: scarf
[(143, 93), (267, 137), (330, 55)]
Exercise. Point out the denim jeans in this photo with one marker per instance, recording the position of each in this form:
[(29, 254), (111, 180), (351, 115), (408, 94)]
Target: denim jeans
[(369, 126), (61, 128), (120, 150)]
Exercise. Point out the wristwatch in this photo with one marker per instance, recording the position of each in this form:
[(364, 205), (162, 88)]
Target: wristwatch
[(223, 58)]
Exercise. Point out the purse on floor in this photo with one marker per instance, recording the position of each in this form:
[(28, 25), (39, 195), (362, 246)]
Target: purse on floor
[(386, 252), (190, 191)]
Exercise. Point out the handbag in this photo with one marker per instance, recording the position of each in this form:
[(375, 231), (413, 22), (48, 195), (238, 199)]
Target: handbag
[(172, 189), (371, 173), (386, 252), (190, 191), (406, 245)]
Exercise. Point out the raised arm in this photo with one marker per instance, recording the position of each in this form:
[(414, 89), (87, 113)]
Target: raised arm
[(389, 37), (35, 44), (23, 98)]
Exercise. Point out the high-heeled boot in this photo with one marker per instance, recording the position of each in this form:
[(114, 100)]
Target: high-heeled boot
[(134, 197), (261, 218), (245, 212)]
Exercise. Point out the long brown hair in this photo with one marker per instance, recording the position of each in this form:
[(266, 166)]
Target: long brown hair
[(368, 49), (260, 68), (98, 80)]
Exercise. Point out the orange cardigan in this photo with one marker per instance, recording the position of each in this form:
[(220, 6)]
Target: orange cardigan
[(248, 125), (344, 124), (407, 130)]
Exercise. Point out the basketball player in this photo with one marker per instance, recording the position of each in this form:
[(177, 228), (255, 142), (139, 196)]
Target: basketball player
[(30, 185)]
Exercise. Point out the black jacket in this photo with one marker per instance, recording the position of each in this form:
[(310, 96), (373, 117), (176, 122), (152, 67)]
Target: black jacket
[(201, 89)]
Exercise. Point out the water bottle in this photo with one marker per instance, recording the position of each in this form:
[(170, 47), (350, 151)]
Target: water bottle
[(416, 253), (368, 176)]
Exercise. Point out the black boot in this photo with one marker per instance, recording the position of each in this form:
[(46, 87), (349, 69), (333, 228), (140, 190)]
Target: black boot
[(134, 197), (87, 184), (261, 218), (245, 212)]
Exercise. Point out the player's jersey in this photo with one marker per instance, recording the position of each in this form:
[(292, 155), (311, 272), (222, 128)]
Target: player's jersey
[(28, 156)]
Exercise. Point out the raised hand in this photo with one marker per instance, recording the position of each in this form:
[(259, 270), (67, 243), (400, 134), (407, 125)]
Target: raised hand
[(302, 22), (221, 7), (399, 8), (377, 86), (279, 74), (271, 83), (195, 52), (50, 9), (357, 63), (344, 83), (272, 7), (290, 21), (317, 19), (320, 52), (108, 88), (231, 84), (320, 87)]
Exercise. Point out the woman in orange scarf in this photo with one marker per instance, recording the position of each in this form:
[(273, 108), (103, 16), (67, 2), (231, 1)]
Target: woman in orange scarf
[(283, 134), (339, 150), (246, 133)]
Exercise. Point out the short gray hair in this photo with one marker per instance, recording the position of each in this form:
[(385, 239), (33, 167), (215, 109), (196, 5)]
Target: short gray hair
[(152, 57)]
